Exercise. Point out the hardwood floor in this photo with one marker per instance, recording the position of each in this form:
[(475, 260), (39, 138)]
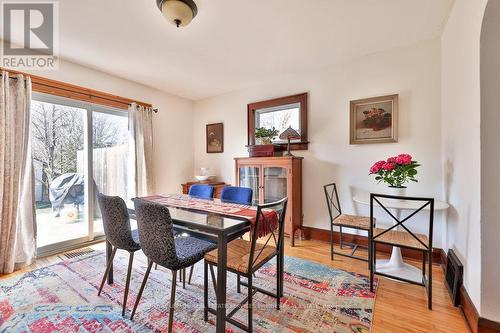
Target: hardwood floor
[(399, 307)]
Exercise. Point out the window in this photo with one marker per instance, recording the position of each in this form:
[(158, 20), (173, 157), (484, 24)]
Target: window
[(280, 113), (279, 117), (73, 142)]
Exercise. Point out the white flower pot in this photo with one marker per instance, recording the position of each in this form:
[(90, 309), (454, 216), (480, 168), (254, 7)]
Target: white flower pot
[(398, 191)]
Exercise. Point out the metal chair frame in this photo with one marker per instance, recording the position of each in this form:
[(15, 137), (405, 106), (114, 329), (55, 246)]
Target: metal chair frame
[(426, 252), (333, 204), (253, 267)]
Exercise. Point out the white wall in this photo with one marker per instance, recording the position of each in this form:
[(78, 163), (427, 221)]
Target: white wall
[(413, 72), (172, 125), (490, 160), (461, 137)]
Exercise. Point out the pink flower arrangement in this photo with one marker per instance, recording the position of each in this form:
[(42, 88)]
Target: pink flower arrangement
[(395, 170)]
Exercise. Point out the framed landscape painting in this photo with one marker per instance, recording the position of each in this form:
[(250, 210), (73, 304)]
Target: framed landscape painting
[(374, 120), (215, 138)]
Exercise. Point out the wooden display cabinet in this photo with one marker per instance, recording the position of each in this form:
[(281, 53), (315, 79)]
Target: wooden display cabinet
[(273, 178)]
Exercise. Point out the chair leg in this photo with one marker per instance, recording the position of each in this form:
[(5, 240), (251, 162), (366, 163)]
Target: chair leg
[(430, 281), (340, 240), (183, 278), (190, 274), (369, 251), (278, 283), (372, 271), (214, 281), (424, 255), (238, 283), (106, 272), (127, 283), (250, 303), (172, 302), (331, 241), (205, 290), (139, 295)]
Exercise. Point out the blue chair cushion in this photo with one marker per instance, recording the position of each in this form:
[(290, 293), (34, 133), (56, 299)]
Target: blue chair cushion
[(135, 236), (201, 191), (239, 195)]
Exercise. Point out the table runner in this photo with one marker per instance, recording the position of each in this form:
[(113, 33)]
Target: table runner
[(183, 201)]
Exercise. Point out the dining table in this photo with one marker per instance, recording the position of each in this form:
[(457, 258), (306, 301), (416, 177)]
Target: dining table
[(395, 265), (213, 220)]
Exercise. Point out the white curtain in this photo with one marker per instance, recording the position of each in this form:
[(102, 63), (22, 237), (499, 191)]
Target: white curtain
[(141, 148), (17, 221)]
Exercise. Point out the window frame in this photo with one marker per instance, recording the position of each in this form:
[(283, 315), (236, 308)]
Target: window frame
[(301, 99)]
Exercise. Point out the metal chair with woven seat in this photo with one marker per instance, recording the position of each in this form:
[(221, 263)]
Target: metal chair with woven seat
[(245, 257), (160, 247), (401, 236), (343, 221), (116, 223)]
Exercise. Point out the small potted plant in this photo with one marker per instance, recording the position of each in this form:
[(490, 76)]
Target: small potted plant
[(396, 171), (264, 136)]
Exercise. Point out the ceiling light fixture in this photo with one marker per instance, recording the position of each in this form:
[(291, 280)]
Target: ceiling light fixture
[(178, 12)]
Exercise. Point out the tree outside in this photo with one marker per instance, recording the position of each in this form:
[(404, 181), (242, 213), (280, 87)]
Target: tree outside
[(58, 136)]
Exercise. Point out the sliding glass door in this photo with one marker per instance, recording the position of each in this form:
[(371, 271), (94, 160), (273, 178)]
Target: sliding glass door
[(110, 162), (74, 142), (58, 138)]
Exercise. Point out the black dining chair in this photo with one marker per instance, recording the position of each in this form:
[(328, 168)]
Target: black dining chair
[(116, 222), (161, 247), (244, 258), (338, 219), (400, 235)]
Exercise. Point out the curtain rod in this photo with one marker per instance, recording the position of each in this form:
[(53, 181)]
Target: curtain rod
[(155, 110), (14, 77)]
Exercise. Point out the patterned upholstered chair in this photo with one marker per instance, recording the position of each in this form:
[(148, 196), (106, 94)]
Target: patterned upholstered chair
[(160, 246), (343, 221), (116, 224), (239, 195), (202, 191), (244, 258)]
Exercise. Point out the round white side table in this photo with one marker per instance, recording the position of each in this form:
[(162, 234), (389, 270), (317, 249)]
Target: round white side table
[(395, 265)]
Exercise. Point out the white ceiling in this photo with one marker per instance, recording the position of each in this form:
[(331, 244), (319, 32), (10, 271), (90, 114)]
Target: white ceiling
[(233, 44)]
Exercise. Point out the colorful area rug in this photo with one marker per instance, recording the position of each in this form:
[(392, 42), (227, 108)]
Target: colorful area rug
[(63, 298)]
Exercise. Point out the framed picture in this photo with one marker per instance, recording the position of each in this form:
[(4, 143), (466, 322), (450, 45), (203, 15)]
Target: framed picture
[(215, 138), (374, 120)]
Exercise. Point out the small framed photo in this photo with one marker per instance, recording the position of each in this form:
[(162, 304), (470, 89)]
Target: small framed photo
[(374, 120), (215, 138)]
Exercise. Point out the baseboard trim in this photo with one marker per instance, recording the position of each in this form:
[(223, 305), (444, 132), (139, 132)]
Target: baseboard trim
[(324, 235), (475, 323), (469, 310), (488, 326)]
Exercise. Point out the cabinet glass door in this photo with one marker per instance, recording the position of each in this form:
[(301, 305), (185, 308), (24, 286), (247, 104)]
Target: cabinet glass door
[(249, 177), (275, 187)]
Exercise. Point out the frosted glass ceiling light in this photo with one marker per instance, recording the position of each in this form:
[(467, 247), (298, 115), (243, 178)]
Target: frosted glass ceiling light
[(178, 12)]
